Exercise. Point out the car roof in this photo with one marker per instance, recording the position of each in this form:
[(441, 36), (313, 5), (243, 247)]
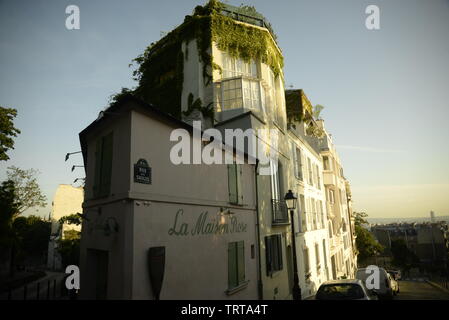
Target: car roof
[(342, 281)]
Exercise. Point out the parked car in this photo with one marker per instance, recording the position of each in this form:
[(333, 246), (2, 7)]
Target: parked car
[(394, 282), (396, 273), (347, 289), (384, 291)]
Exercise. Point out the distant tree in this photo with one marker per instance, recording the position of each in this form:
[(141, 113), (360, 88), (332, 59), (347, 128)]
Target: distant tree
[(9, 207), (69, 242), (27, 191), (32, 234), (367, 246), (7, 131), (317, 111)]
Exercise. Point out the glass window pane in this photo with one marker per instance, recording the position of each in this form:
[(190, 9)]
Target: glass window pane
[(238, 93)]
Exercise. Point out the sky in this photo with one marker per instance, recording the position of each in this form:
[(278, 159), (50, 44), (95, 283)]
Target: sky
[(385, 91)]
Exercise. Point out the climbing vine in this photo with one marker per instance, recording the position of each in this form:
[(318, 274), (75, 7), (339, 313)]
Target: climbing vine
[(207, 111)]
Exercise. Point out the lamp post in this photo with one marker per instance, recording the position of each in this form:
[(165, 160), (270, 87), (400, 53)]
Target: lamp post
[(290, 200)]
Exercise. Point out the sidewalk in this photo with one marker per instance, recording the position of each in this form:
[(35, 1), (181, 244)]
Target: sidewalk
[(436, 285)]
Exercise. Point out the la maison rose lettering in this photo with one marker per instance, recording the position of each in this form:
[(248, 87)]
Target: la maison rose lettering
[(205, 226)]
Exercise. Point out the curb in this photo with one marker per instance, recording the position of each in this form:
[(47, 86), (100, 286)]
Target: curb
[(437, 286)]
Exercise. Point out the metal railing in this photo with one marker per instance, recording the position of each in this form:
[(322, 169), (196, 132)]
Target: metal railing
[(51, 289), (280, 212)]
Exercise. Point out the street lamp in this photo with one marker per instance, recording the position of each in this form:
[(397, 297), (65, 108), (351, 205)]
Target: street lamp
[(69, 154), (290, 200)]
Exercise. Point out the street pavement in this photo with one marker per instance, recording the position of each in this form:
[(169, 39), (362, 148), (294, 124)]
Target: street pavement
[(419, 289)]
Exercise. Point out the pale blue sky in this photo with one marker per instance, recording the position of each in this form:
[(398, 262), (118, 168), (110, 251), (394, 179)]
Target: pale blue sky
[(385, 91)]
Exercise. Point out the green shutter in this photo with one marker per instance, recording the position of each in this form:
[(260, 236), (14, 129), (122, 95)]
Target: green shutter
[(279, 251), (106, 168), (232, 265), (239, 183), (268, 256), (98, 153), (232, 183), (241, 261)]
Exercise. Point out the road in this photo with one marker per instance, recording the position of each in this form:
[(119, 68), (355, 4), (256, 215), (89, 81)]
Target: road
[(420, 290)]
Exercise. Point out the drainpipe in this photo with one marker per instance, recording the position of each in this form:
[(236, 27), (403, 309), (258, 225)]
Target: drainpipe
[(259, 273)]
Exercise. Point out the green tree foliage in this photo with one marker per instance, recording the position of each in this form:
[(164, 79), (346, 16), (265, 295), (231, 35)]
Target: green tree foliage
[(7, 131), (402, 256), (27, 191), (8, 208), (71, 219), (366, 244), (69, 243), (317, 111), (32, 234)]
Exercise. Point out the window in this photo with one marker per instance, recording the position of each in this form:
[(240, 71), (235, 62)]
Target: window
[(275, 180), (313, 212), (236, 264), (322, 214), (239, 93), (273, 250), (280, 214), (309, 166), (103, 166), (318, 176), (294, 159), (317, 257), (325, 256), (326, 163), (306, 261), (235, 67), (235, 183), (299, 163), (303, 213), (331, 196)]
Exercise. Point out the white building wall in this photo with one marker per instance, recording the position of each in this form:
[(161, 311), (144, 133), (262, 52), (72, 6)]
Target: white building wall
[(66, 201)]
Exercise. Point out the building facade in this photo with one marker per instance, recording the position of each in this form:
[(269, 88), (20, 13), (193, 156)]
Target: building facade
[(194, 76), (67, 201)]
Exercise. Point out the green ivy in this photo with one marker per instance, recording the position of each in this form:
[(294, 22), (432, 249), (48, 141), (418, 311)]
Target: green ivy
[(207, 111)]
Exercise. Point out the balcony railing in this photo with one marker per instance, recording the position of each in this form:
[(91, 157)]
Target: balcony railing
[(280, 211)]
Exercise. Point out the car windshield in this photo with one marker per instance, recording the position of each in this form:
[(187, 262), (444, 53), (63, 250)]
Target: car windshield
[(346, 291)]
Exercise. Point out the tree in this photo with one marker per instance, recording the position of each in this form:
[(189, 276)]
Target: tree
[(27, 191), (69, 244), (367, 245), (317, 111), (8, 208), (32, 233), (7, 131)]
